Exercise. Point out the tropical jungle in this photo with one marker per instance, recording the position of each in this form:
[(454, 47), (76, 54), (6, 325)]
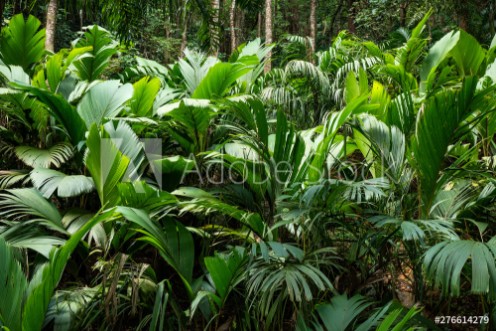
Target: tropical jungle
[(247, 165)]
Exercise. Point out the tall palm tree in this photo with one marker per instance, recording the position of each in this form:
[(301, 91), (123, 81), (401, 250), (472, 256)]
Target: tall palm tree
[(268, 32), (232, 25), (313, 26), (51, 23)]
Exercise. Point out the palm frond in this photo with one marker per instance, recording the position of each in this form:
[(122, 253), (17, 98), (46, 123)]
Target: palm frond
[(49, 181), (446, 261), (45, 158), (13, 284), (30, 204)]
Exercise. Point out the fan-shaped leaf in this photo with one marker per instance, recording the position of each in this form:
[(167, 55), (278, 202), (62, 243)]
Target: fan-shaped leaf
[(44, 158), (48, 181), (145, 91), (445, 262), (91, 67), (107, 166), (104, 100), (29, 203), (22, 42), (13, 284)]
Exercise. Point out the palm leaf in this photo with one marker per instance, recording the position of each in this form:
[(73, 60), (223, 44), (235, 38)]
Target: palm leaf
[(90, 68), (128, 143), (145, 91), (62, 110), (22, 42), (174, 242), (10, 178), (223, 269), (204, 203), (49, 181), (45, 280), (104, 100), (45, 158), (445, 262), (220, 78), (342, 311), (436, 125), (194, 67), (107, 166), (29, 203), (13, 284)]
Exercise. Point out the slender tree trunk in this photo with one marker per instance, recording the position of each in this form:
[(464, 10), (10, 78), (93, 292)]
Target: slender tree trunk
[(184, 35), (313, 28), (51, 23), (268, 33), (232, 25), (333, 20), (294, 18), (351, 17), (463, 15), (403, 13), (214, 31)]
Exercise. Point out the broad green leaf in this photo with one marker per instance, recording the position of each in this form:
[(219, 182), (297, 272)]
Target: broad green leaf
[(218, 80), (436, 124), (437, 54), (223, 269), (174, 241), (334, 122), (142, 196), (172, 170), (90, 68), (107, 166), (342, 311), (49, 181), (145, 91), (22, 42), (46, 278), (468, 54), (29, 203), (104, 100), (13, 284), (62, 110)]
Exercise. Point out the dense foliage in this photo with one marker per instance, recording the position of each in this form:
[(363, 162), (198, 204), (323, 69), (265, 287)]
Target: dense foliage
[(350, 190)]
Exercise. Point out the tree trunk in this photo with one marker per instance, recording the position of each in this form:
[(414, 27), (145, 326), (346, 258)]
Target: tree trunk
[(183, 16), (214, 31), (184, 36), (268, 33), (333, 20), (403, 13), (313, 28), (232, 25), (51, 22), (463, 15), (351, 17)]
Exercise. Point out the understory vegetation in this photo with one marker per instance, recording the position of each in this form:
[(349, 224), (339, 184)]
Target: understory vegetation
[(352, 189)]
